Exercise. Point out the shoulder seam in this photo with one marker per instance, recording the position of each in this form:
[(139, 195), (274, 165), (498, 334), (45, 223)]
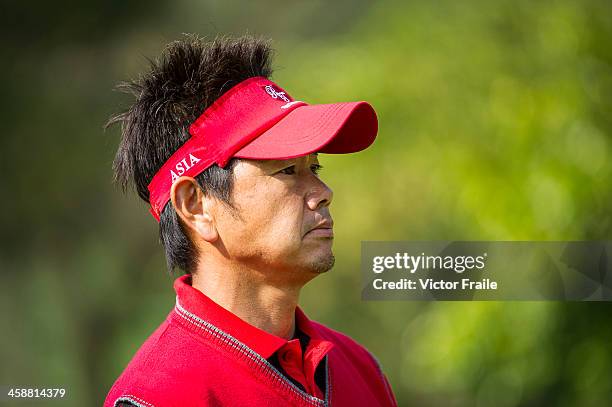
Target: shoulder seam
[(376, 361), (385, 381)]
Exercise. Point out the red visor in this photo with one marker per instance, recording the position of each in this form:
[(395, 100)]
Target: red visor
[(256, 119)]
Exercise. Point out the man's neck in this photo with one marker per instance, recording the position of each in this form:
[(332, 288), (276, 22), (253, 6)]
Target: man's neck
[(242, 292)]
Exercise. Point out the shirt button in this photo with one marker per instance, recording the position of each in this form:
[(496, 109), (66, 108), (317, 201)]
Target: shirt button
[(287, 356)]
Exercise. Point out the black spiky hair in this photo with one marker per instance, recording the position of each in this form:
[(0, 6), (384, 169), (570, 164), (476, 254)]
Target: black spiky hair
[(188, 76)]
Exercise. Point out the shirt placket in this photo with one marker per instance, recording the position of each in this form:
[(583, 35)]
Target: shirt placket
[(302, 367), (290, 358)]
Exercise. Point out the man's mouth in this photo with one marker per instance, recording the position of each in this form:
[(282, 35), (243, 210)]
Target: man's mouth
[(323, 229)]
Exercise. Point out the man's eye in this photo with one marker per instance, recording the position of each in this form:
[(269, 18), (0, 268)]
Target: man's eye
[(288, 170), (315, 168)]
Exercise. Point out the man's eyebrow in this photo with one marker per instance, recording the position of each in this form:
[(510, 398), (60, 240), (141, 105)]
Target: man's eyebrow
[(278, 163)]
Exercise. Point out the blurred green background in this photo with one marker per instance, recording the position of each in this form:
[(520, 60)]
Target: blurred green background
[(495, 124)]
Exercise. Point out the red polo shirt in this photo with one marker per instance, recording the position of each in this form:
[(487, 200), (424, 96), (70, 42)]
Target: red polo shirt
[(203, 355)]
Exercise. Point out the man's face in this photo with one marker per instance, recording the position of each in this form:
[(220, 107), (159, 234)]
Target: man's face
[(281, 221)]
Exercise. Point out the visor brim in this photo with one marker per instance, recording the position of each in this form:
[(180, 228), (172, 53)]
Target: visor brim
[(337, 128)]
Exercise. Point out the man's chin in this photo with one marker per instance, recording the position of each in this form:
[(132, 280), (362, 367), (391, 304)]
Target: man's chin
[(322, 264)]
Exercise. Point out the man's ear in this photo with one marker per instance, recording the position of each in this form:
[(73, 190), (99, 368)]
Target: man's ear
[(193, 207)]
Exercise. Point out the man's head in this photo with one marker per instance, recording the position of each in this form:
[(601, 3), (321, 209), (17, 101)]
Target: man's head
[(239, 180)]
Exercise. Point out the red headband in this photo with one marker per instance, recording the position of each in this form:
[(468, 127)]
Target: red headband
[(257, 119)]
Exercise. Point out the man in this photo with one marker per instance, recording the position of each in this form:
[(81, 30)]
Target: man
[(228, 162)]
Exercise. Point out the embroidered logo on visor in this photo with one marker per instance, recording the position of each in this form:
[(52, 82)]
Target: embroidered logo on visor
[(183, 166), (276, 94)]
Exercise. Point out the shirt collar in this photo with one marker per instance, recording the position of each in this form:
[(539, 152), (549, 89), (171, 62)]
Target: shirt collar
[(259, 340)]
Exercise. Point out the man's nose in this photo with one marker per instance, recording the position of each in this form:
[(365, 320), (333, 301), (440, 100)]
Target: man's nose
[(319, 195)]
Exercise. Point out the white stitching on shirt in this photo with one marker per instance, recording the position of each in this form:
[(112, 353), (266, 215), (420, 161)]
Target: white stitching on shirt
[(236, 344), (138, 402)]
